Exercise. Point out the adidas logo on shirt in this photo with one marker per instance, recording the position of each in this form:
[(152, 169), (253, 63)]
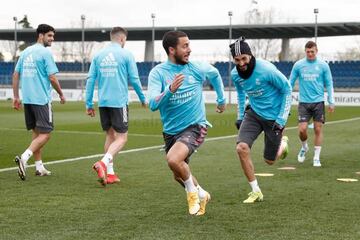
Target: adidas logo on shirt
[(109, 61), (29, 62)]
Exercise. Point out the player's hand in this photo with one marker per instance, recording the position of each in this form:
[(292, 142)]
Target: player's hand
[(62, 99), (220, 108), (331, 108), (90, 112), (178, 80), (277, 128), (238, 123), (144, 104), (16, 103)]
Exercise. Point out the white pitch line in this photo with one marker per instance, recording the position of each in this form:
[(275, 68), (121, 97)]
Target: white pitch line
[(158, 146), (84, 132), (85, 157)]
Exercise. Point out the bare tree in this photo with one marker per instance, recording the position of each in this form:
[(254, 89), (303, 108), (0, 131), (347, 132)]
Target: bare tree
[(297, 50), (264, 48), (72, 51), (351, 53)]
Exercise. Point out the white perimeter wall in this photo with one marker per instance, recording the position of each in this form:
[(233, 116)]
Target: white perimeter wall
[(341, 98)]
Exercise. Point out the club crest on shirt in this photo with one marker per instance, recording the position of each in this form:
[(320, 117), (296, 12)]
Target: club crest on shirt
[(257, 81), (191, 79)]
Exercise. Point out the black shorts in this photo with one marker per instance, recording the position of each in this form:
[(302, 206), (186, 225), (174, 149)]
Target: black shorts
[(192, 136), (117, 118), (39, 117), (252, 126), (306, 111)]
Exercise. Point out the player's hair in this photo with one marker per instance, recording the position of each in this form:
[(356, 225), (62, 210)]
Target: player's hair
[(44, 28), (171, 39), (118, 30), (310, 44)]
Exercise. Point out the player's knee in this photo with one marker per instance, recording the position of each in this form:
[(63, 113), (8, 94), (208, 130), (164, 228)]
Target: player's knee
[(242, 148), (124, 139), (302, 130), (45, 137), (121, 138), (171, 160)]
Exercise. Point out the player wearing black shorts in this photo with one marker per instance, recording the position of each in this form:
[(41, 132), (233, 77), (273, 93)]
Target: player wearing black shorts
[(269, 94), (112, 68), (314, 76), (36, 71)]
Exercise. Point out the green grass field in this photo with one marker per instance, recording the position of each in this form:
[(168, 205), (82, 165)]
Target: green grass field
[(306, 203)]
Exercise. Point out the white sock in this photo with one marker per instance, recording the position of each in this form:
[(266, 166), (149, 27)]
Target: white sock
[(255, 186), (201, 192), (39, 165), (317, 152), (110, 167), (189, 185), (304, 145), (107, 158), (26, 155)]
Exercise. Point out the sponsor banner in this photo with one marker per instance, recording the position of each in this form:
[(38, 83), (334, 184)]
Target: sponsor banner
[(341, 98)]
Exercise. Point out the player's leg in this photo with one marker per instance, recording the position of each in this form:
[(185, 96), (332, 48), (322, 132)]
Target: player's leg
[(39, 166), (304, 115), (204, 196), (176, 162), (186, 142), (119, 142), (119, 123), (248, 132), (193, 137), (319, 120), (115, 122), (39, 120), (42, 132), (101, 166), (276, 144), (109, 139)]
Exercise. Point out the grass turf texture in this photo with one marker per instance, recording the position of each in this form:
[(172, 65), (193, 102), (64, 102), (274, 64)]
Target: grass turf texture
[(306, 203)]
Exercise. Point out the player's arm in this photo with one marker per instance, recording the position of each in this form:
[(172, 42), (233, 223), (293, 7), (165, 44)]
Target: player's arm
[(241, 96), (133, 75), (158, 92), (15, 85), (282, 83), (241, 99), (56, 85), (90, 86), (214, 77), (51, 70), (16, 82), (329, 88), (294, 75)]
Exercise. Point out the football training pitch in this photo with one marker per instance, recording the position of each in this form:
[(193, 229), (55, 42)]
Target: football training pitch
[(305, 203)]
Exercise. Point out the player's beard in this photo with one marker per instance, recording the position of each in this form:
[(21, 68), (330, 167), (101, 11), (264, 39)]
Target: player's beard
[(178, 60), (47, 44), (249, 69)]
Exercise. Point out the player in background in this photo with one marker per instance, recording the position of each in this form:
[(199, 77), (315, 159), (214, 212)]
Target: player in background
[(111, 68), (36, 71), (314, 74), (269, 95), (175, 89)]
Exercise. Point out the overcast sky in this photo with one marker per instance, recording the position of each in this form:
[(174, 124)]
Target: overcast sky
[(136, 13)]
